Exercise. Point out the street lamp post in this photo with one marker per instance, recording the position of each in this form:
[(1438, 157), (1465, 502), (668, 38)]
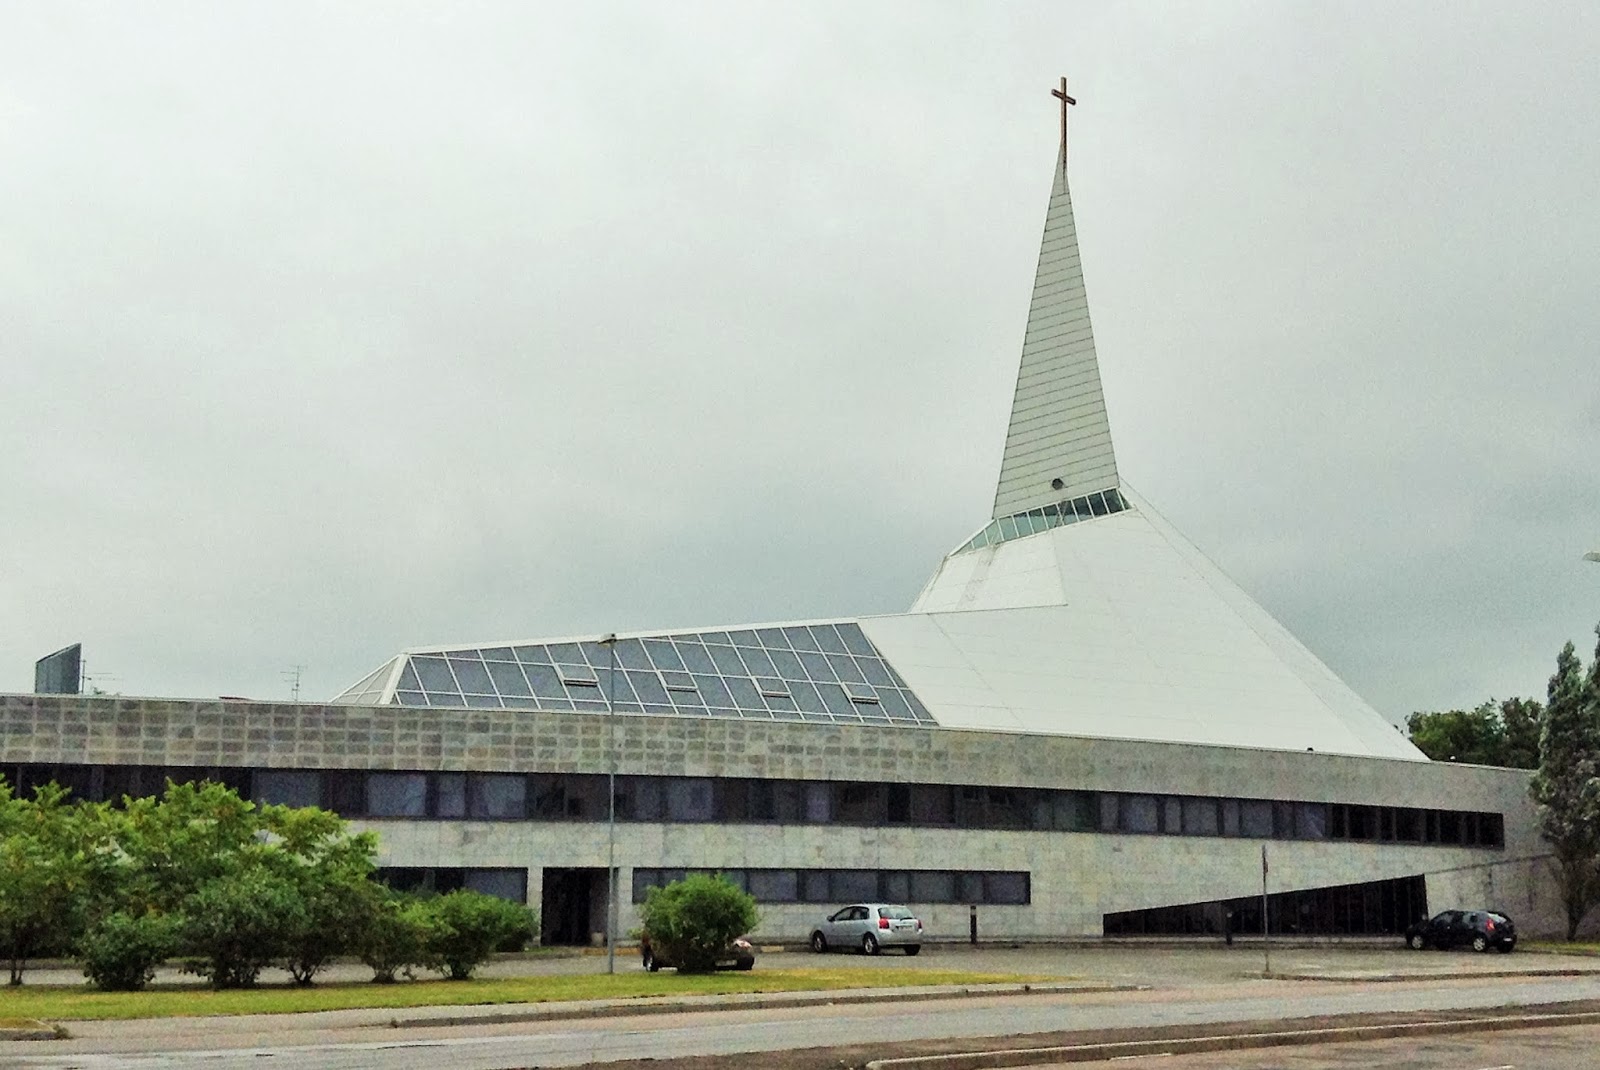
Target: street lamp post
[(609, 641)]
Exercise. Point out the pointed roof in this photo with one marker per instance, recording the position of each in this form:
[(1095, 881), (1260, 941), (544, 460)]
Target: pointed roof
[(1058, 444), (1119, 628)]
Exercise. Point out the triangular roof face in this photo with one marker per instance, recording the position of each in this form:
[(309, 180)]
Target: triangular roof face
[(1058, 444), (1117, 627)]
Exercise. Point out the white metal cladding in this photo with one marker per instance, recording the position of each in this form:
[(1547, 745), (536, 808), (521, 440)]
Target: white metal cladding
[(1058, 426), (1119, 628)]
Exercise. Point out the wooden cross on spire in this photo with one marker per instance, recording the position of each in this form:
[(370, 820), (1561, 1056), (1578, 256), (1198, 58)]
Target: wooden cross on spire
[(1061, 95)]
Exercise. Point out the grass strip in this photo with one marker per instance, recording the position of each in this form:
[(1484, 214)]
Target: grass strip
[(79, 1003)]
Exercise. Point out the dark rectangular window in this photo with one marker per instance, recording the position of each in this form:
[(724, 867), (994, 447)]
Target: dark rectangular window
[(1006, 888), (1407, 824), (397, 794), (899, 804), (861, 804), (819, 802), (689, 799), (345, 793), (1200, 817), (731, 799), (1255, 818), (509, 884), (288, 787), (933, 804), (775, 885), (933, 886), (1170, 810), (1449, 827), (450, 795), (1230, 817), (850, 884), (497, 796), (1139, 813), (1283, 821), (777, 800)]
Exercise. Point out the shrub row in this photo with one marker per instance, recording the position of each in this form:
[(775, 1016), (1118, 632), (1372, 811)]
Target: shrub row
[(226, 886)]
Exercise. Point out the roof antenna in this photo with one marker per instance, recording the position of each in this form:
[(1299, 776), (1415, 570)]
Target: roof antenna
[(1061, 95)]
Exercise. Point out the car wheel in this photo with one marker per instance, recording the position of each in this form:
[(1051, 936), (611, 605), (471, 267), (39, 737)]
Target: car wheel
[(1417, 942), (1505, 949), (650, 962), (745, 964), (912, 949), (1480, 943), (819, 943), (869, 944)]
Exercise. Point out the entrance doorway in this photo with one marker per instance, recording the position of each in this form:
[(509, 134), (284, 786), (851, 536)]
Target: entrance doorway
[(572, 907)]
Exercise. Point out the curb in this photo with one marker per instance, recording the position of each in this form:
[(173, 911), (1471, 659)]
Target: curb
[(631, 1008), (1384, 978), (1084, 1053)]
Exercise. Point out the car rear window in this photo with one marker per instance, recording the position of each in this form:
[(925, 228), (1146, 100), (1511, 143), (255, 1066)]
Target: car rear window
[(1499, 917), (894, 912)]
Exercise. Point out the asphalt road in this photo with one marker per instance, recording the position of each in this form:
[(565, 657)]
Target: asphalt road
[(148, 1046), (1570, 1048)]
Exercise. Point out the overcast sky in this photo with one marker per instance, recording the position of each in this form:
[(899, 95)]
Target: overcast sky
[(332, 329)]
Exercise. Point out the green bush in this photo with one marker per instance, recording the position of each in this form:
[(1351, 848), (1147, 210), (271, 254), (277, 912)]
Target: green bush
[(692, 921), (329, 924), (236, 925), (467, 927), (121, 951), (395, 934)]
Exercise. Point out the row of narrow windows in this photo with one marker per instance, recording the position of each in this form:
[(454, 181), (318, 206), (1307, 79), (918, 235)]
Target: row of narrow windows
[(917, 886), (1372, 908), (922, 887), (582, 797)]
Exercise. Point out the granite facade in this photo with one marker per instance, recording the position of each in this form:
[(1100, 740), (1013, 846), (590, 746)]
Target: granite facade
[(1075, 876)]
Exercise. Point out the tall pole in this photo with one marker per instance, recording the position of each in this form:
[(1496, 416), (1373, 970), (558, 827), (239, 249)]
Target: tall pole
[(609, 641), (1266, 935)]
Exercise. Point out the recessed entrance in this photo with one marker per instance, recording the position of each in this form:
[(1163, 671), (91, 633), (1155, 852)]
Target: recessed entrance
[(572, 907)]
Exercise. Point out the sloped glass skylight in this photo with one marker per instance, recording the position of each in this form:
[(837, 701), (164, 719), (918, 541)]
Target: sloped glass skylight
[(828, 672), (1071, 511), (369, 692)]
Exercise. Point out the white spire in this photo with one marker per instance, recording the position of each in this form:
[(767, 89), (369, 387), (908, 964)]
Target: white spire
[(1058, 444)]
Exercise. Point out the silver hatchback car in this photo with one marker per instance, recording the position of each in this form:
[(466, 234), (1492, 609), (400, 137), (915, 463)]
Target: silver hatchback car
[(868, 928)]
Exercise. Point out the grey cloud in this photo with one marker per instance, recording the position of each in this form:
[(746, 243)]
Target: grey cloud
[(328, 331)]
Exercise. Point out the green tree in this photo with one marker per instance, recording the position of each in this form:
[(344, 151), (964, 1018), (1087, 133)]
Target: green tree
[(172, 846), (233, 926), (1520, 719), (328, 868), (1495, 733), (1565, 786), (1472, 736), (395, 934), (50, 851), (121, 951), (468, 926), (692, 921)]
